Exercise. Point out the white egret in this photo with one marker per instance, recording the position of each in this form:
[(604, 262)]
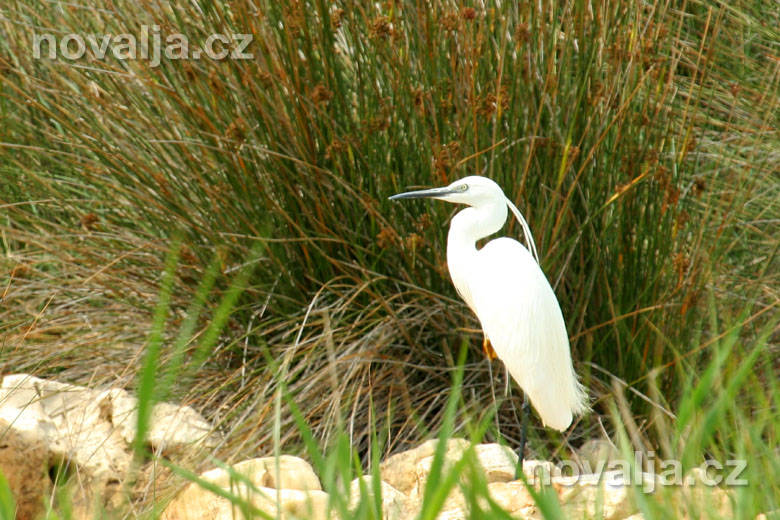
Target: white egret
[(505, 287)]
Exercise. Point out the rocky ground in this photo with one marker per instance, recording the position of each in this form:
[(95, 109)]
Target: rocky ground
[(52, 432)]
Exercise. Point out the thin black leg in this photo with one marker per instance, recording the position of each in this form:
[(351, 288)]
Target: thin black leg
[(524, 411)]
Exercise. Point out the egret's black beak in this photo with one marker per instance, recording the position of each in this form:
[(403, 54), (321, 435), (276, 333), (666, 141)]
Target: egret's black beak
[(424, 194)]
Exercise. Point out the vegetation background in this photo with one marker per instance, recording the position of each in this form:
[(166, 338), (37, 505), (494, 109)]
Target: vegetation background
[(639, 139)]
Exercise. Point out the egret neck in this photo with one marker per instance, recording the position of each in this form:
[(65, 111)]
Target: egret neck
[(468, 226)]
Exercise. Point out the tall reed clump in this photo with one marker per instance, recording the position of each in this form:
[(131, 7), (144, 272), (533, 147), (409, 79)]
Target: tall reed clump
[(639, 140)]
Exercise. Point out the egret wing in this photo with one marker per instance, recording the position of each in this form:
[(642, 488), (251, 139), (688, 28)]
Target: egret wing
[(520, 315)]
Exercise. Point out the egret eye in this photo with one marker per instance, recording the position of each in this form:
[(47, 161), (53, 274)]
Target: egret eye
[(462, 187)]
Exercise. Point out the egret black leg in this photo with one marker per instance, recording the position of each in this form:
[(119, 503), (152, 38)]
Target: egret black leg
[(523, 435)]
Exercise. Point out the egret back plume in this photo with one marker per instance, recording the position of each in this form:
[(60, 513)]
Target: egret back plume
[(529, 238)]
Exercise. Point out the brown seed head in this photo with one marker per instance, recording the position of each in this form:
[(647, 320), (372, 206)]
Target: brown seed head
[(449, 22), (320, 95), (522, 34), (381, 28), (413, 241), (337, 17), (236, 131), (386, 237), (699, 185), (88, 221)]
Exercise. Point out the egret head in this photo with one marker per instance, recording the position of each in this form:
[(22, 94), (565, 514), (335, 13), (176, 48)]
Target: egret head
[(476, 191), (473, 191)]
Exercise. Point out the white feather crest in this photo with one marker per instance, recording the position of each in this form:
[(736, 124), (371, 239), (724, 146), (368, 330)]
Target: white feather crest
[(529, 238)]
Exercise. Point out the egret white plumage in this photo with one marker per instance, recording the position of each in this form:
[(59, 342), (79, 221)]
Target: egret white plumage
[(505, 287)]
